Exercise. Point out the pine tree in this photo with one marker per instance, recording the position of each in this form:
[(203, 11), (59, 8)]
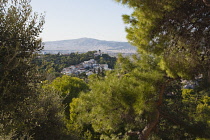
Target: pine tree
[(144, 98)]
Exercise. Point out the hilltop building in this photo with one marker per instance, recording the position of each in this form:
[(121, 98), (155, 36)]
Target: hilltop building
[(88, 67)]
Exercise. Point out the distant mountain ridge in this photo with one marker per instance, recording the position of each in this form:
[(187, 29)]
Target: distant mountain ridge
[(89, 44)]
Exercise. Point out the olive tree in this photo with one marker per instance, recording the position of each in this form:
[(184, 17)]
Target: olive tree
[(19, 42)]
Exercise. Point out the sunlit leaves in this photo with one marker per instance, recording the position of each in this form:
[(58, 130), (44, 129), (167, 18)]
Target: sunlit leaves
[(68, 87), (120, 100)]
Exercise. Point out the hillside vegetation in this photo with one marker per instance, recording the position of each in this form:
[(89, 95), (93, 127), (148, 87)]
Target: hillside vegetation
[(160, 93)]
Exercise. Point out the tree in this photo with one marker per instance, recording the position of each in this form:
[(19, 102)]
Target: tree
[(27, 111), (19, 32), (47, 118), (144, 98), (139, 102), (68, 87), (176, 33), (173, 30), (113, 106)]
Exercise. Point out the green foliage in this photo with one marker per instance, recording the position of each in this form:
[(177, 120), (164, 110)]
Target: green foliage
[(200, 101), (26, 111), (106, 59), (58, 62), (126, 100), (174, 30), (115, 104), (176, 34), (68, 87), (144, 96), (48, 117), (19, 32)]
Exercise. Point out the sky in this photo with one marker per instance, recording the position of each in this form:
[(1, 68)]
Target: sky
[(72, 19)]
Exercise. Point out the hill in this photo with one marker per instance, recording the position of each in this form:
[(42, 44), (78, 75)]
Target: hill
[(89, 44)]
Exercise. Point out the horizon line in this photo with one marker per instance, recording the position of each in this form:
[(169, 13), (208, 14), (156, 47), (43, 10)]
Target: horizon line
[(83, 38)]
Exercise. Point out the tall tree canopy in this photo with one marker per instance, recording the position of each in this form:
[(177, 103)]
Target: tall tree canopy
[(26, 110), (177, 31), (19, 41), (68, 87), (163, 92), (19, 32)]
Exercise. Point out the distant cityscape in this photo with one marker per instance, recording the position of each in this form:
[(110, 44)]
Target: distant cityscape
[(87, 67)]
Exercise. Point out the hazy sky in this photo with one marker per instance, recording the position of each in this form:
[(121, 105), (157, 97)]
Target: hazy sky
[(72, 19)]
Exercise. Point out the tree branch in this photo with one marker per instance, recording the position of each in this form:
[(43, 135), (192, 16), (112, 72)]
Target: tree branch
[(147, 130)]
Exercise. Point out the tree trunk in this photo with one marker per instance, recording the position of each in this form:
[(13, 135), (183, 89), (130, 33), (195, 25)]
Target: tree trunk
[(148, 129), (144, 134)]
